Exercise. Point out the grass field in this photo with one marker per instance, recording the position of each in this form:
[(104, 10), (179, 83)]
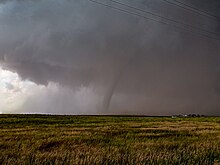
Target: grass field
[(48, 139)]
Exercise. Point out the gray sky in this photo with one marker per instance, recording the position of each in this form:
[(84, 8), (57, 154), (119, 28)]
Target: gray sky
[(80, 57)]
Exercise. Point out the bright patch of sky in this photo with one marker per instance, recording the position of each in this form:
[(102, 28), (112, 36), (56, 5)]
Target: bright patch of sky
[(14, 91), (24, 96)]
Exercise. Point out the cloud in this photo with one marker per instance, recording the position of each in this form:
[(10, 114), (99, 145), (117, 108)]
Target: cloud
[(19, 96), (13, 91), (129, 64)]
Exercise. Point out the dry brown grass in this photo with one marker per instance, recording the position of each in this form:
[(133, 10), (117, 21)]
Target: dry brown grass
[(41, 139)]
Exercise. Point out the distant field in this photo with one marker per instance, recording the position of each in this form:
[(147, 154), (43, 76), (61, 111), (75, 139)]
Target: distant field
[(47, 139)]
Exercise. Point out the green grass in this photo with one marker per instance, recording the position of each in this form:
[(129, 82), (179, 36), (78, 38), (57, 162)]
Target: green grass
[(50, 139)]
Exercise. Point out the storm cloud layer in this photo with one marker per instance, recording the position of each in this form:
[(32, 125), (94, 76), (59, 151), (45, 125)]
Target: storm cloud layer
[(107, 61)]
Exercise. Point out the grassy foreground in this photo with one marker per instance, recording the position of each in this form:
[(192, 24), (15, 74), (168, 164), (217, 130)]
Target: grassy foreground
[(47, 139)]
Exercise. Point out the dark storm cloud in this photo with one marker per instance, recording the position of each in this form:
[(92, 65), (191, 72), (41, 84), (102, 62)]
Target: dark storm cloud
[(137, 66)]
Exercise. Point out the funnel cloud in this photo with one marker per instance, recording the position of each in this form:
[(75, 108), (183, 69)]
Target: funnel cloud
[(89, 58)]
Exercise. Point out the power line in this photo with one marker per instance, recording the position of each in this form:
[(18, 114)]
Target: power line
[(193, 9), (159, 16), (128, 12), (155, 20), (197, 9)]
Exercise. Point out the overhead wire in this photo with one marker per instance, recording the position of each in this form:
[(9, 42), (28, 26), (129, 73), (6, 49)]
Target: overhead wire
[(192, 9), (159, 16), (199, 10), (155, 20)]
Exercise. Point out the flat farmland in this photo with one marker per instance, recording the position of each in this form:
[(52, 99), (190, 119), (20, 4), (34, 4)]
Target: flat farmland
[(54, 139)]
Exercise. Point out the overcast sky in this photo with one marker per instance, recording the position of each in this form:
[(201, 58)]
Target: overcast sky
[(81, 57)]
